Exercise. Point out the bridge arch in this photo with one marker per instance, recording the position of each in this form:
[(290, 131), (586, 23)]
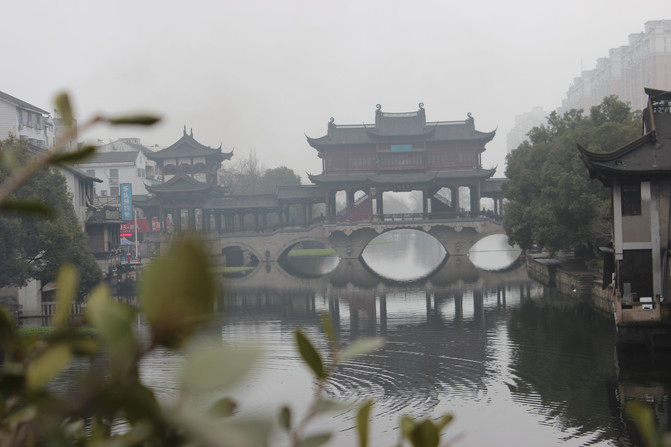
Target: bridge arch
[(252, 250), (456, 237)]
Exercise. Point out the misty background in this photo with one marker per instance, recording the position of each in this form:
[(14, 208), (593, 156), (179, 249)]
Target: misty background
[(260, 75)]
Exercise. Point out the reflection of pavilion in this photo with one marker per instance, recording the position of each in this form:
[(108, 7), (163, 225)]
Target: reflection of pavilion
[(447, 329)]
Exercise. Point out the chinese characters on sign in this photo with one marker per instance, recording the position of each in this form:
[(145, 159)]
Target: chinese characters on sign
[(126, 202)]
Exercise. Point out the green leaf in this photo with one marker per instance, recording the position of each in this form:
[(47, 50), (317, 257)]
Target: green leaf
[(31, 207), (362, 422), (444, 421), (407, 426), (315, 441), (310, 355), (74, 156), (285, 418), (178, 292), (68, 280), (45, 367), (115, 323), (425, 435), (644, 418), (359, 347), (10, 340), (221, 432), (212, 369), (223, 408), (328, 405), (141, 120), (328, 330), (64, 109)]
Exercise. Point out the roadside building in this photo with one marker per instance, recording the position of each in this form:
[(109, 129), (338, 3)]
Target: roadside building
[(24, 120), (132, 145), (116, 168)]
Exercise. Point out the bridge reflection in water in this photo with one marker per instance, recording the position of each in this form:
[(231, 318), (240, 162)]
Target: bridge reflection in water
[(511, 359)]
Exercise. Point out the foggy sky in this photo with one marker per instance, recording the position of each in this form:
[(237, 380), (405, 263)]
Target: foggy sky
[(262, 74)]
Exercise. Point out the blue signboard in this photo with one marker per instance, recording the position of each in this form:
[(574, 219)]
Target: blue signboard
[(401, 147), (126, 201)]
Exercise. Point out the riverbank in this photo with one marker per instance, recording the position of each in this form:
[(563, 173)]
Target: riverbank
[(572, 278), (637, 323)]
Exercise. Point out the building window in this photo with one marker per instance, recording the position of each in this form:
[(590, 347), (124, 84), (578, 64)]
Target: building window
[(91, 172), (114, 191), (631, 199), (114, 173)]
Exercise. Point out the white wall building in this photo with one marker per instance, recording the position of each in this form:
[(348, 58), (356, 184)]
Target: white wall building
[(24, 120), (644, 63), (131, 145), (115, 168)]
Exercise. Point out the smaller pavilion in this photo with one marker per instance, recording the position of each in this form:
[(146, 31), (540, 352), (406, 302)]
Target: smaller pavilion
[(188, 173)]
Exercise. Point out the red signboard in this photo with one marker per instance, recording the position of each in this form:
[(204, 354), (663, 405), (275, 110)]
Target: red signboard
[(129, 227)]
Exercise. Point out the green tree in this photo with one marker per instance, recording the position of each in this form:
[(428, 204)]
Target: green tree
[(31, 246), (281, 176), (551, 202), (250, 177)]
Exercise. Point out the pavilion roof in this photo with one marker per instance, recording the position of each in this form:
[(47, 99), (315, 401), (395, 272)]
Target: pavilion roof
[(299, 192), (649, 156), (402, 178), (399, 126), (245, 201), (179, 183), (187, 146)]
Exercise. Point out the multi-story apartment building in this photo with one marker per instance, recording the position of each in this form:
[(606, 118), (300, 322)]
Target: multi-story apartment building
[(644, 63), (116, 168)]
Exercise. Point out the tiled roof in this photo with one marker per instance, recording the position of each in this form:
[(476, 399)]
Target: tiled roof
[(647, 156), (187, 146), (399, 126), (21, 104), (111, 157), (179, 183), (406, 178)]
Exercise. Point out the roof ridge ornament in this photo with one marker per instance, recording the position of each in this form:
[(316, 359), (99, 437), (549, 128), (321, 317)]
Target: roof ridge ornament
[(185, 129), (421, 106)]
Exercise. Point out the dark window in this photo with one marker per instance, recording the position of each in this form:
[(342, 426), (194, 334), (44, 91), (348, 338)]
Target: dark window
[(636, 269), (631, 199)]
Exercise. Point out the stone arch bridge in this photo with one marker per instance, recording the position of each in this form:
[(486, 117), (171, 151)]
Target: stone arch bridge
[(350, 239)]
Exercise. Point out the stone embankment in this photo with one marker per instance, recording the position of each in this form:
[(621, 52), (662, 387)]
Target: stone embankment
[(571, 278)]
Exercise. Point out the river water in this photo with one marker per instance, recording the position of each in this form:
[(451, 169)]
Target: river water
[(514, 362)]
